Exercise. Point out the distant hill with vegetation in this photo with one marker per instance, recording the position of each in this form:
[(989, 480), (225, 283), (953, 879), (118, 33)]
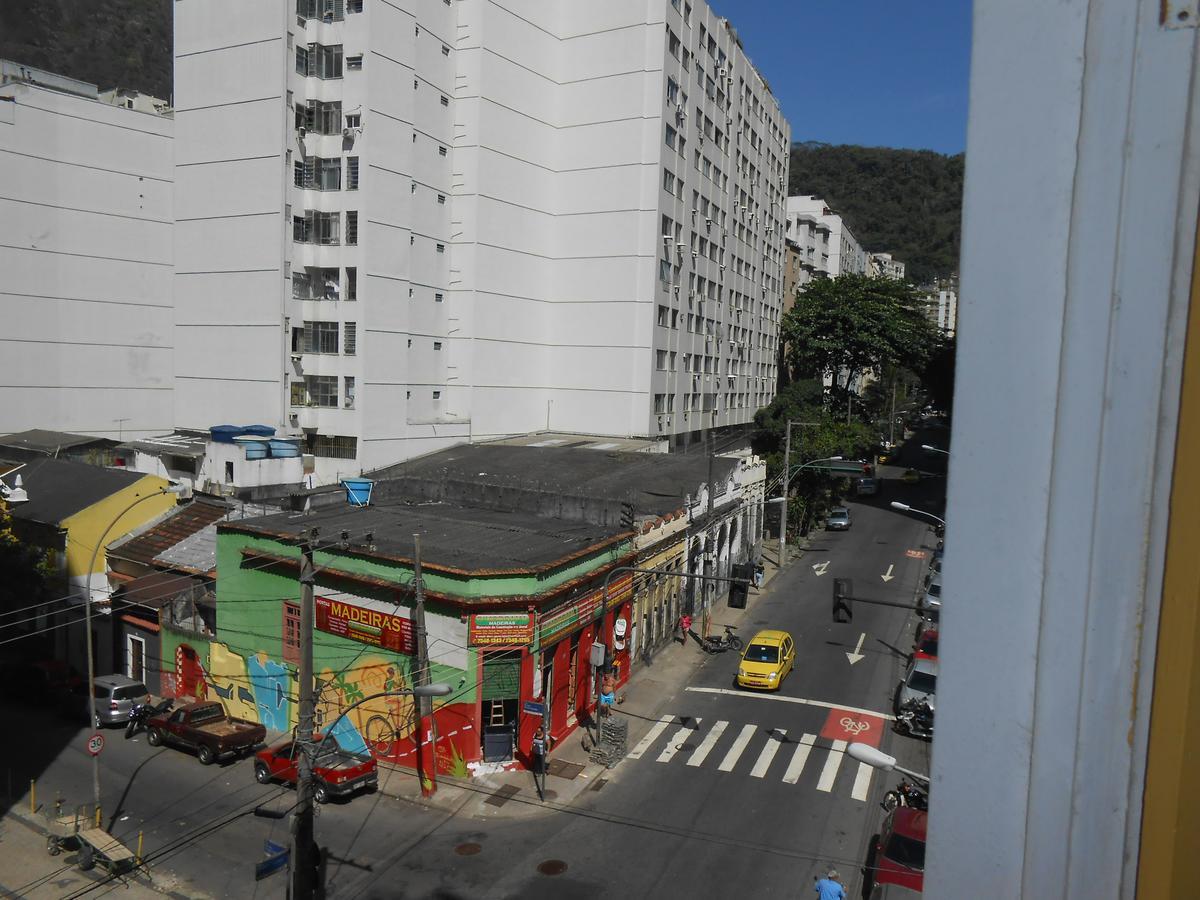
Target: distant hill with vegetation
[(110, 43), (905, 202)]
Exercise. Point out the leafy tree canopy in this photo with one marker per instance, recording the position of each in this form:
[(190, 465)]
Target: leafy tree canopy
[(853, 325), (906, 202)]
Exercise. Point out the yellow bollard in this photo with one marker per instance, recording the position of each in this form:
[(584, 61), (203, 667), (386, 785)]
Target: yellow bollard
[(32, 795), (97, 815), (139, 850)]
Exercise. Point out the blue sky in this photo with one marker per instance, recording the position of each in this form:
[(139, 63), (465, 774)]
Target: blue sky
[(884, 73)]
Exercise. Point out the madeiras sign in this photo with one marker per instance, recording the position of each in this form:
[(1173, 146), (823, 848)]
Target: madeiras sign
[(368, 626)]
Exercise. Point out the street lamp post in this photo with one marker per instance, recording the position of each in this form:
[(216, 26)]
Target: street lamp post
[(877, 759), (933, 449), (787, 475), (904, 507), (87, 617)]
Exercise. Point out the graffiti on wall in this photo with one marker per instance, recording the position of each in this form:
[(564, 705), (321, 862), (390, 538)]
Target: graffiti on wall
[(261, 689)]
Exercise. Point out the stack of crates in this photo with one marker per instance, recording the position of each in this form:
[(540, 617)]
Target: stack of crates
[(614, 735)]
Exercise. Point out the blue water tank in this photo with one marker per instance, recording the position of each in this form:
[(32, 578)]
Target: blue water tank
[(258, 430), (358, 491), (224, 434)]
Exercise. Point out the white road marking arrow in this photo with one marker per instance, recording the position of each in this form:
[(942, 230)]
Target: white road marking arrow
[(820, 568), (856, 655), (888, 576)]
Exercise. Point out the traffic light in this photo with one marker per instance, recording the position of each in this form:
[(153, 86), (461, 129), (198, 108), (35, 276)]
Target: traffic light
[(843, 599), (740, 590)]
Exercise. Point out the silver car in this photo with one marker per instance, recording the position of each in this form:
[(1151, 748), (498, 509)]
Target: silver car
[(920, 683), (933, 591), (114, 698), (838, 519)]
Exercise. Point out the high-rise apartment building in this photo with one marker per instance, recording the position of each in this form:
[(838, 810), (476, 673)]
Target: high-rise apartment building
[(400, 228)]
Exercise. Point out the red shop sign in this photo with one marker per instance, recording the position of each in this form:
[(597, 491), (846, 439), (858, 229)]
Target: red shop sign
[(367, 626)]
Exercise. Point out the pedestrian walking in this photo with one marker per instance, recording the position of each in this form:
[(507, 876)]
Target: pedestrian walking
[(830, 887), (685, 628), (537, 751)]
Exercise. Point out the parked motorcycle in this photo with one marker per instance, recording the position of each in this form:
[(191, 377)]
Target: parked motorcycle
[(916, 719), (906, 793), (719, 643), (142, 713)]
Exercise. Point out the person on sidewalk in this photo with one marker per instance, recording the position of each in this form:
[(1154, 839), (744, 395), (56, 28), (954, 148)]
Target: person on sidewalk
[(685, 628), (830, 887)]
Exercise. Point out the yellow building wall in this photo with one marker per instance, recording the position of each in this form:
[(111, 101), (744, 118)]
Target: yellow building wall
[(86, 526)]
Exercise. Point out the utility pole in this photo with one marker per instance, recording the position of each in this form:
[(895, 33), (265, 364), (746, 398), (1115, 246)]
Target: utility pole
[(892, 420), (709, 561), (304, 848), (787, 472), (427, 774)]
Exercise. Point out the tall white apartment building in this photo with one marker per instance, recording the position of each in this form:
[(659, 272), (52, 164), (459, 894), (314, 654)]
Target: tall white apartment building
[(846, 254), (403, 226), (884, 265), (85, 252)]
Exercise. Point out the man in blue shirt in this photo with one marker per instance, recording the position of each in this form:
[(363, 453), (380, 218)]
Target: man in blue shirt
[(830, 887)]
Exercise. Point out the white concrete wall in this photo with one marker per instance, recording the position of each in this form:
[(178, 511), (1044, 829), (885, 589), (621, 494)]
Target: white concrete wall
[(846, 255), (1056, 528), (86, 255)]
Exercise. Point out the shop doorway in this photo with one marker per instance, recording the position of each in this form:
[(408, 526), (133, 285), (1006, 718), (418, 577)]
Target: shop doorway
[(500, 695)]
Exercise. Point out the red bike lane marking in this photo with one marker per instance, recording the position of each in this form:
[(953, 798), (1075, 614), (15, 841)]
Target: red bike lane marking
[(851, 726)]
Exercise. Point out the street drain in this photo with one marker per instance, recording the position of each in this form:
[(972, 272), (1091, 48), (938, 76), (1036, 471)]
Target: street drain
[(552, 867), (468, 849)]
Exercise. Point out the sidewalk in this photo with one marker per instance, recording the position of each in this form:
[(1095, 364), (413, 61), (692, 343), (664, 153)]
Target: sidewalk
[(27, 870), (512, 794)]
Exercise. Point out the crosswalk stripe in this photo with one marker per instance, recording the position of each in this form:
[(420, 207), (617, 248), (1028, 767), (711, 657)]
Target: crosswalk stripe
[(651, 736), (675, 742), (768, 753), (737, 749), (706, 745), (799, 758), (862, 782), (832, 763)]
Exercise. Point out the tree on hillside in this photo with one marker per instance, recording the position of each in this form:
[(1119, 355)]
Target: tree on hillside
[(849, 326), (907, 202)]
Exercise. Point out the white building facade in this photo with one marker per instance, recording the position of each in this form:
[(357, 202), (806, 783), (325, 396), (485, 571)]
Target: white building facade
[(401, 229), (85, 248), (883, 265), (845, 253)]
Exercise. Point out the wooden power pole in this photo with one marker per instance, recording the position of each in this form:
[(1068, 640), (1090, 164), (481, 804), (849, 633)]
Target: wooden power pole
[(304, 848)]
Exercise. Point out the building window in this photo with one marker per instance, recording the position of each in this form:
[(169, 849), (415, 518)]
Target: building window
[(445, 101), (351, 283), (323, 118), (441, 248), (660, 356), (663, 318), (441, 199), (351, 226), (325, 10), (291, 632), (353, 120), (354, 6), (445, 50), (660, 403), (441, 151), (672, 90), (348, 400), (352, 173), (438, 297), (321, 390), (328, 174), (332, 446), (320, 61), (354, 62), (437, 395), (319, 337), (437, 345), (670, 137), (349, 338), (302, 61), (672, 43)]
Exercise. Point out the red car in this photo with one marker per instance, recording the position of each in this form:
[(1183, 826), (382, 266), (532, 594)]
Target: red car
[(337, 772), (900, 853), (926, 646)]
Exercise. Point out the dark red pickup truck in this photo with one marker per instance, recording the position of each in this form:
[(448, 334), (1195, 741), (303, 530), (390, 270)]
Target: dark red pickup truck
[(337, 772), (207, 729)]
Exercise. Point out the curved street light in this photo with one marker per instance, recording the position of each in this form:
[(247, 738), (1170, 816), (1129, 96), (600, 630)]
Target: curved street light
[(877, 759), (87, 617), (904, 507), (933, 449), (787, 476)]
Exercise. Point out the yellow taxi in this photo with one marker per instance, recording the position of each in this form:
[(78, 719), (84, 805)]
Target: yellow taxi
[(768, 658)]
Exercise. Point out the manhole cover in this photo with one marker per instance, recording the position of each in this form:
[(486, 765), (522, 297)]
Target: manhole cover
[(552, 867), (468, 849)]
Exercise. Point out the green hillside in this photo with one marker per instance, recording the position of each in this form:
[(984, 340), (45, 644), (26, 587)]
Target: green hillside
[(114, 43), (906, 202)]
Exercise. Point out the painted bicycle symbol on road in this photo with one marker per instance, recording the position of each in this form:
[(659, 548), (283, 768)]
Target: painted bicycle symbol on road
[(854, 726)]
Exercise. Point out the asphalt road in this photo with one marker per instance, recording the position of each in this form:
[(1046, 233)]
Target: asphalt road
[(735, 793)]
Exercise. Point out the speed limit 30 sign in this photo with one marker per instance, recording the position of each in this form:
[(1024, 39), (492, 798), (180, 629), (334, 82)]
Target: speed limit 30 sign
[(95, 744)]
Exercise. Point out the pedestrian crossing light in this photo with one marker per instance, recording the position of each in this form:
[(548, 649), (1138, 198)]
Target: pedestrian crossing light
[(843, 598)]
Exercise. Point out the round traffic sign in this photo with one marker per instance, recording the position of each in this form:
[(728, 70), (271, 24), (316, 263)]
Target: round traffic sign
[(95, 744)]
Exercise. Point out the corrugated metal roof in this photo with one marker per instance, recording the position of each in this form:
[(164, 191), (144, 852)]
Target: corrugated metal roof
[(182, 524)]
